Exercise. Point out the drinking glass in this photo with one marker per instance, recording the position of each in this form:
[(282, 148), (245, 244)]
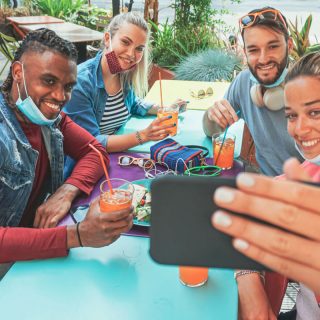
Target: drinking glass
[(223, 150), (172, 111), (120, 198), (193, 276)]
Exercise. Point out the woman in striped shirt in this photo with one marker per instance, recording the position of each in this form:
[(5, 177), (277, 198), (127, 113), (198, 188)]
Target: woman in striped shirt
[(109, 86)]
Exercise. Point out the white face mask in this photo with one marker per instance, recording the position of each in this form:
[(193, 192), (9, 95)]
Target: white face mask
[(315, 160)]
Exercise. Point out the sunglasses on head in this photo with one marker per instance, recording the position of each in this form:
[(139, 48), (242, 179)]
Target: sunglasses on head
[(250, 19), (141, 162), (201, 94)]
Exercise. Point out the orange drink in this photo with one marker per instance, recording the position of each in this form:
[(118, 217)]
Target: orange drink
[(193, 276), (172, 111), (120, 198), (223, 151)]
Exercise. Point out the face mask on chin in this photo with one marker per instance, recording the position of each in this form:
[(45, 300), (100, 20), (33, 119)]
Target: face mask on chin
[(113, 61), (315, 160), (273, 85), (30, 109)]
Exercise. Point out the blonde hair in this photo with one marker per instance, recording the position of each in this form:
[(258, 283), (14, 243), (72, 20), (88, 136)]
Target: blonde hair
[(138, 76)]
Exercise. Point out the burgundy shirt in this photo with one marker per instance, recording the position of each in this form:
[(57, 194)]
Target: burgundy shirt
[(26, 243)]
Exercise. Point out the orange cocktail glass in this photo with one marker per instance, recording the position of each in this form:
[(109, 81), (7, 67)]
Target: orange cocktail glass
[(193, 276), (223, 157), (172, 111), (119, 199)]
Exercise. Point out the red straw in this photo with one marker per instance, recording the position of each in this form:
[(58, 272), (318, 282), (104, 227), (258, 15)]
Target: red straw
[(104, 166), (160, 90)]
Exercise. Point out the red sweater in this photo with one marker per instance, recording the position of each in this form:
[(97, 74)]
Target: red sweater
[(25, 244), (86, 173)]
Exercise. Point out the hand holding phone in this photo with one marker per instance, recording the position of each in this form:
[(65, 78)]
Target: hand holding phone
[(181, 232)]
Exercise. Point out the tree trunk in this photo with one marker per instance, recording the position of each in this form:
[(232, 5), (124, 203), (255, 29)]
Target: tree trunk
[(115, 7), (151, 10)]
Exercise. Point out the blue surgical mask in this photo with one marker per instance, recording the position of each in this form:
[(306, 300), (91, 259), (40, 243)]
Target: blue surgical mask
[(315, 160), (30, 109), (275, 84)]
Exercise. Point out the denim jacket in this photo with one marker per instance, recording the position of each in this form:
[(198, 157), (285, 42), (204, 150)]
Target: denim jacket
[(89, 97), (88, 101), (18, 163)]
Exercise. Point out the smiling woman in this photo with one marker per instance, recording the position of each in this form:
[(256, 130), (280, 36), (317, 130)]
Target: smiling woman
[(294, 249), (302, 100), (110, 87)]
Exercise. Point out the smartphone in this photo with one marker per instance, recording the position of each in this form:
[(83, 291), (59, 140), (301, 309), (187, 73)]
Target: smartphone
[(181, 232)]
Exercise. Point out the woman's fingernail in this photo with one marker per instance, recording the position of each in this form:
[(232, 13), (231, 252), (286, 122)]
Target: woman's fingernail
[(240, 244), (169, 117), (224, 195), (174, 124), (245, 180), (187, 101), (222, 219)]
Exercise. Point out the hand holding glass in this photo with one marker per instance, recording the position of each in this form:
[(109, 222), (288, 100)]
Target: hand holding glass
[(120, 198), (172, 111)]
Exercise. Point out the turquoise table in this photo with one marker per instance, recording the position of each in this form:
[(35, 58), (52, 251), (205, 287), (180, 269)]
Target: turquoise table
[(119, 282), (189, 131)]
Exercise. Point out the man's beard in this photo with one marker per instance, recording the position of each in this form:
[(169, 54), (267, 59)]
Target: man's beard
[(280, 66)]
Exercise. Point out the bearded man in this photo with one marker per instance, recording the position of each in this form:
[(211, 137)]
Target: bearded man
[(258, 91)]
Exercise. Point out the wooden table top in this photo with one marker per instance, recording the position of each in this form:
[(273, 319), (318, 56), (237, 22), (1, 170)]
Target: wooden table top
[(29, 20), (68, 31)]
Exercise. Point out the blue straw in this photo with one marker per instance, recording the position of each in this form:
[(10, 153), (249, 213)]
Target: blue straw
[(223, 140)]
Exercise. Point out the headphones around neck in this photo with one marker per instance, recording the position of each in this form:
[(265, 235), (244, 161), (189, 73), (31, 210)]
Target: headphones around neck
[(271, 98)]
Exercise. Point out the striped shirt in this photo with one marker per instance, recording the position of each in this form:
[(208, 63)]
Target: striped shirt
[(115, 114)]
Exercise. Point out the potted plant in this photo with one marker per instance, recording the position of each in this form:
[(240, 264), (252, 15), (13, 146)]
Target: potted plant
[(209, 65), (193, 30), (301, 40)]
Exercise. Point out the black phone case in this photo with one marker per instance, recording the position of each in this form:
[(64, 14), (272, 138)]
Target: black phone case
[(181, 232)]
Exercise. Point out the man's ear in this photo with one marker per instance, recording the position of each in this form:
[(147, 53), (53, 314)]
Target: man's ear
[(16, 71), (290, 45)]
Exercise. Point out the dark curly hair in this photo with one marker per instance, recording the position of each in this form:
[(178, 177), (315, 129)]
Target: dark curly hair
[(40, 40)]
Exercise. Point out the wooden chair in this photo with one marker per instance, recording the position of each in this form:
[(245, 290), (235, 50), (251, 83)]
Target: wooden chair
[(275, 286), (248, 152)]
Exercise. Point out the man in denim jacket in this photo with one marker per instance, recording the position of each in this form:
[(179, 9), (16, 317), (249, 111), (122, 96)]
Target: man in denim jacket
[(34, 135)]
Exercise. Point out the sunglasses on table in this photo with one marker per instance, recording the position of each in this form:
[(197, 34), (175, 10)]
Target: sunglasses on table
[(201, 94), (250, 19), (203, 170), (141, 162)]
